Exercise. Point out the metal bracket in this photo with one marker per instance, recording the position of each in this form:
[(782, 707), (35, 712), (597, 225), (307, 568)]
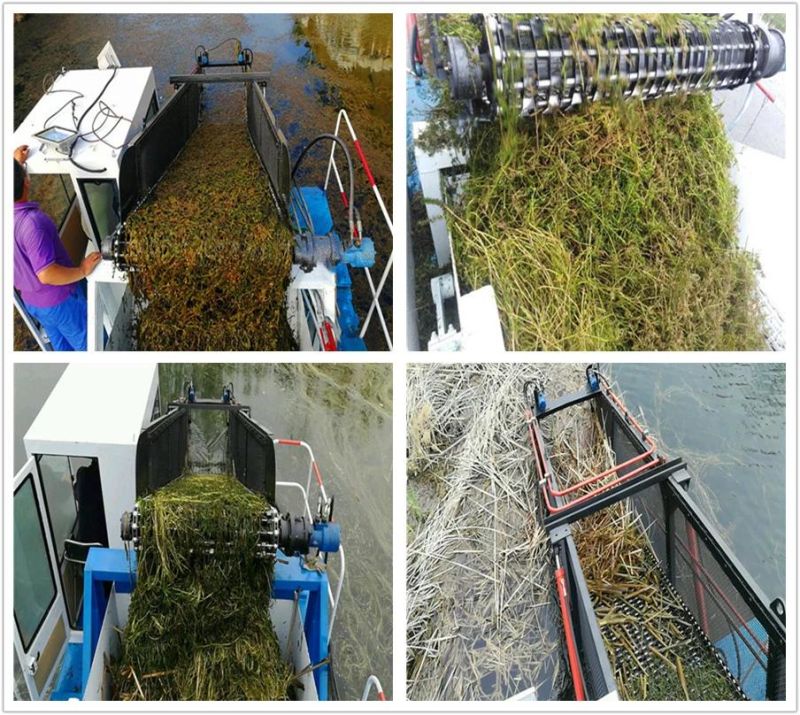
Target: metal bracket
[(219, 78), (559, 533), (605, 499)]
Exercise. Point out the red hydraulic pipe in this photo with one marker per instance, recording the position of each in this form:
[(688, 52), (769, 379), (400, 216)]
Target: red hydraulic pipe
[(699, 593), (538, 450), (725, 598), (607, 473), (553, 509), (572, 648)]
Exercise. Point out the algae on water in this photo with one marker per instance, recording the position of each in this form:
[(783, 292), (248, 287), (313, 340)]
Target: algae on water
[(211, 257), (199, 626)]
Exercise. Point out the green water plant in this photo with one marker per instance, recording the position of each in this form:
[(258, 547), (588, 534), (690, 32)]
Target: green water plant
[(613, 227), (199, 626)]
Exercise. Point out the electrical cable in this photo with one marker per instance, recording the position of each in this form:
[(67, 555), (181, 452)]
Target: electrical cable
[(72, 100), (80, 121), (217, 46), (106, 113), (228, 39)]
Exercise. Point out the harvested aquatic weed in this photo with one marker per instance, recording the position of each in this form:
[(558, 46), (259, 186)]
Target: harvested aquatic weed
[(199, 626), (656, 649), (612, 226), (211, 257)]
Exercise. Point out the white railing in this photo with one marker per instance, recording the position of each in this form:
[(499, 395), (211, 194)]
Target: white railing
[(334, 169), (313, 471), (373, 682)]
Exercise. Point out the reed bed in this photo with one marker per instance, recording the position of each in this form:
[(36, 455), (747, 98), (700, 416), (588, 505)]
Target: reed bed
[(199, 625), (655, 647), (482, 620), (211, 258), (611, 227)]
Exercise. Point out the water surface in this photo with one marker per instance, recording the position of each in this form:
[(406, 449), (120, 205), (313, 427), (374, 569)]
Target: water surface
[(728, 423)]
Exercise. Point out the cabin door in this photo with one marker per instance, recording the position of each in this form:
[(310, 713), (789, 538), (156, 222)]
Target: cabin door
[(41, 628)]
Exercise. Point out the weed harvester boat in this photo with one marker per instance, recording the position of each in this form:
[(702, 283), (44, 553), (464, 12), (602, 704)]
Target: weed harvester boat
[(731, 626), (110, 140), (92, 454), (526, 68)]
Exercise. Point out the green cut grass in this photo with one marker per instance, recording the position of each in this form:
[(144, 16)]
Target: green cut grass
[(199, 626), (610, 228)]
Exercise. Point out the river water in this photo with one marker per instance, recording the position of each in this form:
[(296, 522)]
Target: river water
[(344, 413), (728, 423), (318, 64)]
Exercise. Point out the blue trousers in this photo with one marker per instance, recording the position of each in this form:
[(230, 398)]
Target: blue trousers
[(65, 323)]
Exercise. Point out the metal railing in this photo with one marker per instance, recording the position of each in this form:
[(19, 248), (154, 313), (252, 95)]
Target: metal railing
[(373, 683), (313, 471), (334, 169)]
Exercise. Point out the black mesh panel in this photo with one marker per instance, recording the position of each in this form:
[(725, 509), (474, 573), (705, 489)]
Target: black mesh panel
[(253, 455), (156, 146), (161, 452), (269, 142)]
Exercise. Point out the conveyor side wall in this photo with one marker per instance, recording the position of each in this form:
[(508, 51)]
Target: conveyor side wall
[(729, 607), (150, 153), (598, 677), (270, 144), (161, 452), (253, 453)]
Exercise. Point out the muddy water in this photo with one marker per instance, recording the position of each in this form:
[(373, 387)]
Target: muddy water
[(319, 63), (344, 413)]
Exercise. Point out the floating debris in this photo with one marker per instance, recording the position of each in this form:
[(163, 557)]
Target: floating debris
[(482, 619), (199, 626), (211, 257)]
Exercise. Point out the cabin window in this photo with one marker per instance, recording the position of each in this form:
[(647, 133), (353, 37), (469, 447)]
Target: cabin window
[(101, 201), (59, 499), (74, 502), (34, 585)]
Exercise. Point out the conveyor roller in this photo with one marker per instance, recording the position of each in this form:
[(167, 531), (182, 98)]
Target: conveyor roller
[(533, 68)]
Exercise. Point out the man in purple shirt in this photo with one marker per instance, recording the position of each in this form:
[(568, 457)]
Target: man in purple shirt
[(48, 283)]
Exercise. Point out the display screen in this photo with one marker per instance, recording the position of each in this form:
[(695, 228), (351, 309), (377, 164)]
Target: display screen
[(55, 135)]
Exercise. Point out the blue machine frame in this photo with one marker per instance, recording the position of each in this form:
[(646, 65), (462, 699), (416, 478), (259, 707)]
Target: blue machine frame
[(118, 567), (319, 212)]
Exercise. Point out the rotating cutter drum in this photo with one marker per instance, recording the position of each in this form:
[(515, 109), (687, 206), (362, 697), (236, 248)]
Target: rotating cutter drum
[(534, 67)]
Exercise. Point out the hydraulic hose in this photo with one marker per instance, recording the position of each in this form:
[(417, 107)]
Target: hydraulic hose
[(569, 635), (333, 138)]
